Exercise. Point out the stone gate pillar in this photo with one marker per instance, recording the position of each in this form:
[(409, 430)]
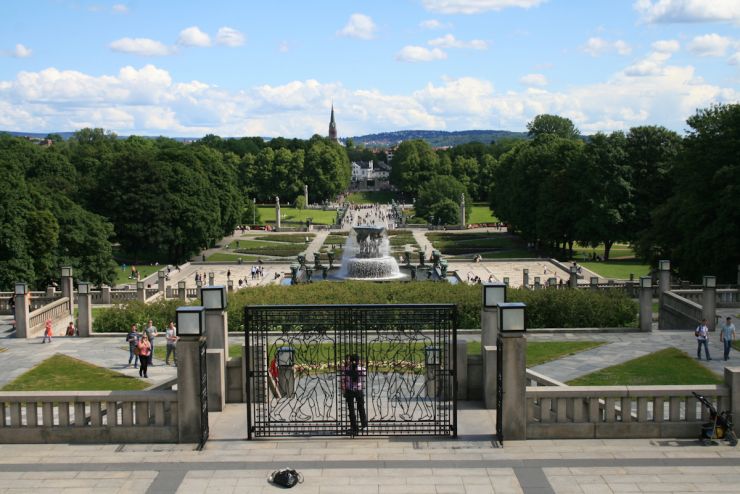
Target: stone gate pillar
[(646, 303), (217, 337), (22, 310), (514, 371), (190, 329), (161, 279), (709, 301), (525, 277), (494, 294), (181, 290), (68, 287), (573, 280), (664, 282), (84, 301)]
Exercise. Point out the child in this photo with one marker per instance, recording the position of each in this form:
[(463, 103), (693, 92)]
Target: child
[(47, 331)]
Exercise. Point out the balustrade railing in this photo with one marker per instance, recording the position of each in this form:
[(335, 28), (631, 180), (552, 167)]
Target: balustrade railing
[(683, 306), (619, 411), (88, 416), (54, 311)]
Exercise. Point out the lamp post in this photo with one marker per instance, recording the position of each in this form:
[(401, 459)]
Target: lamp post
[(192, 405), (513, 345), (214, 300)]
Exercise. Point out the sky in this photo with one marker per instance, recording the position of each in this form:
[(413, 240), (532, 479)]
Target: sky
[(236, 68)]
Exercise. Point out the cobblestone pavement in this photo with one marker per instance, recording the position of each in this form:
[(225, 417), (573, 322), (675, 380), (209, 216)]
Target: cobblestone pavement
[(472, 463)]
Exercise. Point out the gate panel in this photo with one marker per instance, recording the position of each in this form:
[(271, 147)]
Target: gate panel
[(297, 360)]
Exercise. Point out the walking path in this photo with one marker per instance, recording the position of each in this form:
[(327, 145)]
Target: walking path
[(473, 463)]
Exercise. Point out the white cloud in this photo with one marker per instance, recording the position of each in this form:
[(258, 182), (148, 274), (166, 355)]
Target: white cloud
[(283, 47), (359, 26), (230, 37), (193, 36), (668, 11), (534, 80), (120, 8), (140, 46), (710, 45), (146, 100), (412, 53), (667, 46), (22, 51), (476, 6), (734, 59), (652, 65), (449, 41), (431, 24), (596, 46)]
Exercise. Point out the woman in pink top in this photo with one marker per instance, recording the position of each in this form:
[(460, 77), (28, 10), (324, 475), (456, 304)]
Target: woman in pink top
[(47, 332), (145, 349)]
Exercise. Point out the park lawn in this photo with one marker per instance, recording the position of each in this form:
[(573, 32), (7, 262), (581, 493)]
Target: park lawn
[(226, 257), (618, 251), (541, 352), (509, 254), (371, 197), (295, 238), (502, 244), (320, 217), (669, 366), (122, 275), (63, 373), (481, 214), (616, 269)]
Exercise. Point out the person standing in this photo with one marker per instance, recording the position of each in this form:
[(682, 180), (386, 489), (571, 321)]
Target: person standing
[(702, 335), (352, 384), (132, 338), (47, 332), (145, 352), (171, 335), (727, 336), (151, 333), (71, 331)]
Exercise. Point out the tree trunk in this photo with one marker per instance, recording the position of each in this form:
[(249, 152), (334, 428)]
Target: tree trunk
[(607, 247)]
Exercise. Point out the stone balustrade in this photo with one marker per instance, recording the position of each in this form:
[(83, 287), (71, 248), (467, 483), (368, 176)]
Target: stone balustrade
[(88, 417), (726, 297), (55, 311), (119, 296), (677, 312), (580, 412), (537, 379)]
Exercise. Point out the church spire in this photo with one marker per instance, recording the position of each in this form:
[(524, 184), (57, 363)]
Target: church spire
[(332, 126)]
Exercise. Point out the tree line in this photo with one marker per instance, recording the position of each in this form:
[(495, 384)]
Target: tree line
[(96, 198), (670, 196)]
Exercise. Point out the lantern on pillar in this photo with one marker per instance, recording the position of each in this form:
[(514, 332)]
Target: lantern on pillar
[(710, 282), (139, 285), (83, 287), (664, 265), (191, 321), (213, 297), (21, 288), (511, 317), (66, 272), (493, 294), (646, 282)]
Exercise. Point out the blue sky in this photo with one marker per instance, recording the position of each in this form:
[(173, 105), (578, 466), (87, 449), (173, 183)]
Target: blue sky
[(182, 68)]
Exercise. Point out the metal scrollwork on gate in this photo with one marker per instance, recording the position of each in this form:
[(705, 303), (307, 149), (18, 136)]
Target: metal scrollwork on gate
[(299, 357)]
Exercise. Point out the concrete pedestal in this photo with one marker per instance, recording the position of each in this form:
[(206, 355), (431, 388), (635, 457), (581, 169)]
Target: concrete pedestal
[(525, 278), (216, 380), (462, 369), (141, 294), (709, 306), (188, 389), (646, 308), (490, 368), (217, 338), (67, 286), (514, 362), (21, 317), (489, 326), (105, 294), (84, 318)]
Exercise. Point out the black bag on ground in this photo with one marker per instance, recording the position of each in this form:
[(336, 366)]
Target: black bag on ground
[(286, 477)]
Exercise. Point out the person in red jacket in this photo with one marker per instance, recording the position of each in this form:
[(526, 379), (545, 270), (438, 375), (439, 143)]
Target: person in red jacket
[(47, 332)]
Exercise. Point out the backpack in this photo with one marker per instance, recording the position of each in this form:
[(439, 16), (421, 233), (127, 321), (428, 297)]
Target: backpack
[(286, 477)]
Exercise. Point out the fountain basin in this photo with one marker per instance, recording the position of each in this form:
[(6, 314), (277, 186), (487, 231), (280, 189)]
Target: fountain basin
[(373, 268)]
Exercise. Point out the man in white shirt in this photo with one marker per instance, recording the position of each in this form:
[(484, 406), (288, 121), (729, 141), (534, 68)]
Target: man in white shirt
[(702, 335), (727, 336), (171, 336)]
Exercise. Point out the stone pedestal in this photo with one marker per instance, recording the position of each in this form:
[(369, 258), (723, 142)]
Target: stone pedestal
[(105, 297), (181, 290), (537, 284), (211, 279), (188, 389), (573, 280), (216, 380), (50, 291), (141, 294), (709, 301), (160, 284), (646, 304), (490, 384), (525, 278), (488, 326), (462, 369), (514, 406), (67, 286), (664, 281), (217, 338), (84, 319), (21, 317), (732, 381), (168, 292)]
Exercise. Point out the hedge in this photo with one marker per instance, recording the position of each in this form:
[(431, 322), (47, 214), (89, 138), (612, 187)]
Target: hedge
[(545, 308)]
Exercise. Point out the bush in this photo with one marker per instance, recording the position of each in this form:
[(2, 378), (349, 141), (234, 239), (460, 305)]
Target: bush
[(120, 319), (546, 308)]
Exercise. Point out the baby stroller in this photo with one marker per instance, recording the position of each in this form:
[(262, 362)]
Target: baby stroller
[(720, 426)]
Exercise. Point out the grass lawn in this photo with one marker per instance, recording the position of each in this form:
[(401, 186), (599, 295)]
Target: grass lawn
[(481, 214), (267, 213), (502, 244), (618, 251), (122, 275), (669, 366), (224, 256), (376, 197), (295, 238), (63, 373), (618, 269), (540, 352)]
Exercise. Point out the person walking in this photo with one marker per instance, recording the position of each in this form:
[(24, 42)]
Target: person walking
[(145, 352), (727, 336), (71, 331), (132, 338), (151, 333), (353, 384), (702, 335), (171, 335), (47, 332)]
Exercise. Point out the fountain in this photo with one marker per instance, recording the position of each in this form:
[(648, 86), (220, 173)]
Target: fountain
[(366, 256)]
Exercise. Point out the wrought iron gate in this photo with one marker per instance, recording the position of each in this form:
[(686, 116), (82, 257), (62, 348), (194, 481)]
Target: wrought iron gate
[(297, 368), (499, 389), (204, 431)]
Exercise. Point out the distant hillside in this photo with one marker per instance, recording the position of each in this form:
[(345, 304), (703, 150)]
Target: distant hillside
[(68, 135), (436, 138)]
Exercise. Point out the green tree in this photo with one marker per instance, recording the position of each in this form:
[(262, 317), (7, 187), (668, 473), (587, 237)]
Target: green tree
[(413, 164), (326, 169), (552, 125), (440, 197)]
